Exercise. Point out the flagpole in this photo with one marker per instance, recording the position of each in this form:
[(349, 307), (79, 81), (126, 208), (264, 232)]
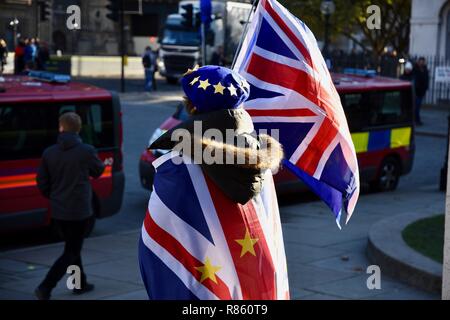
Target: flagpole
[(243, 34)]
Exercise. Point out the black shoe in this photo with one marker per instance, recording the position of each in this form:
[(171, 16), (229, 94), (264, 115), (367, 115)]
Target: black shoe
[(85, 288), (42, 294)]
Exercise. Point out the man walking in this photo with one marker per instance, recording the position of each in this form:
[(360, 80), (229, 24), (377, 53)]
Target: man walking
[(63, 177), (149, 62)]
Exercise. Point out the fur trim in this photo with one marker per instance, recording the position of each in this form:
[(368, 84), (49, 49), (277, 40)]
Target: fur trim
[(267, 156)]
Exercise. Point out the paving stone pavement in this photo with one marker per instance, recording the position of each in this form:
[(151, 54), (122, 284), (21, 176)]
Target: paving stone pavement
[(323, 261)]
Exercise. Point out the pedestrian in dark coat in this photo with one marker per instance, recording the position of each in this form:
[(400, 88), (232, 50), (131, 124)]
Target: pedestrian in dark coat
[(63, 178), (421, 79)]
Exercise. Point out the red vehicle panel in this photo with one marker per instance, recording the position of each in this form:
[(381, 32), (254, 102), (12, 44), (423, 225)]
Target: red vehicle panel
[(29, 110)]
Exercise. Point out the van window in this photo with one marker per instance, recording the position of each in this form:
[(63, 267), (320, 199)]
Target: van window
[(390, 107), (377, 108), (97, 120), (355, 107), (27, 129)]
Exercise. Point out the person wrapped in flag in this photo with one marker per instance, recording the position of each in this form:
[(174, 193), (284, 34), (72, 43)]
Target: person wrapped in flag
[(212, 229)]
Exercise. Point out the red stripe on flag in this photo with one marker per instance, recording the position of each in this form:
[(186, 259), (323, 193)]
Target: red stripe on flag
[(281, 112), (309, 160), (291, 78), (289, 33), (176, 249), (256, 273)]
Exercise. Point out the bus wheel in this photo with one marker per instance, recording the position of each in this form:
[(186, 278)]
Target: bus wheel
[(389, 175)]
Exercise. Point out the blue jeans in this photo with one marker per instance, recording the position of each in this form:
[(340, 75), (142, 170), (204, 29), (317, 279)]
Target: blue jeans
[(418, 105), (148, 78)]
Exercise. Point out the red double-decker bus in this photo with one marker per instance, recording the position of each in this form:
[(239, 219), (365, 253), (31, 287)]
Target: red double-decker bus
[(29, 112)]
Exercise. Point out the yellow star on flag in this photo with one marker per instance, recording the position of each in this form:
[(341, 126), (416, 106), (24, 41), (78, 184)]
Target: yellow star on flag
[(194, 81), (218, 88), (204, 84), (189, 71), (247, 244), (208, 271), (232, 90)]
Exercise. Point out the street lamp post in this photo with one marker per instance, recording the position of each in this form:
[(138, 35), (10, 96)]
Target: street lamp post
[(327, 8), (13, 24)]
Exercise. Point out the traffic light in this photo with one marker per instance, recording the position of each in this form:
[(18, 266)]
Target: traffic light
[(113, 7), (188, 15), (45, 10)]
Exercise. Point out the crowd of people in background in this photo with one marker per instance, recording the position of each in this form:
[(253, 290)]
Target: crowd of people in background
[(30, 54), (418, 74)]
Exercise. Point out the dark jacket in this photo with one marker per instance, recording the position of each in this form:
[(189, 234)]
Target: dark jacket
[(421, 79), (240, 182), (63, 177)]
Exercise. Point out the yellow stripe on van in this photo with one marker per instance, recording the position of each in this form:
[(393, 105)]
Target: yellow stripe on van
[(400, 137), (361, 141)]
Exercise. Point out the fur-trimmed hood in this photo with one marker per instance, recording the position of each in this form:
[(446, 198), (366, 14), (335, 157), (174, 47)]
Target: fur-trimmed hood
[(250, 155)]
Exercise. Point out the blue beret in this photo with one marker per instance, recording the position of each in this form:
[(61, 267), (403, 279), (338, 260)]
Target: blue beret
[(213, 88)]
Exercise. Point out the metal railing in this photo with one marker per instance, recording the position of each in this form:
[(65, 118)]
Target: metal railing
[(393, 66)]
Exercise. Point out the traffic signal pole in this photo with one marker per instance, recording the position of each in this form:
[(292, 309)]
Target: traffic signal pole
[(122, 47), (203, 33)]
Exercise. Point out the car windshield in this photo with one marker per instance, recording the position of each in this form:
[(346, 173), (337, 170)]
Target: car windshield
[(181, 37)]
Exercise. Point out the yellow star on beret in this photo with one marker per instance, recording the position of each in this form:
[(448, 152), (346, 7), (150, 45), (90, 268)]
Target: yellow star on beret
[(218, 88), (232, 90), (194, 81), (189, 71), (204, 84)]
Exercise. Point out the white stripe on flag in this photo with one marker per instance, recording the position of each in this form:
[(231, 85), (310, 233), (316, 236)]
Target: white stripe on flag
[(304, 144), (180, 271), (215, 228), (192, 240), (267, 199)]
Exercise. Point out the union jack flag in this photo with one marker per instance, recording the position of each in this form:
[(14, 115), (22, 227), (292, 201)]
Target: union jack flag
[(198, 244), (291, 90)]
